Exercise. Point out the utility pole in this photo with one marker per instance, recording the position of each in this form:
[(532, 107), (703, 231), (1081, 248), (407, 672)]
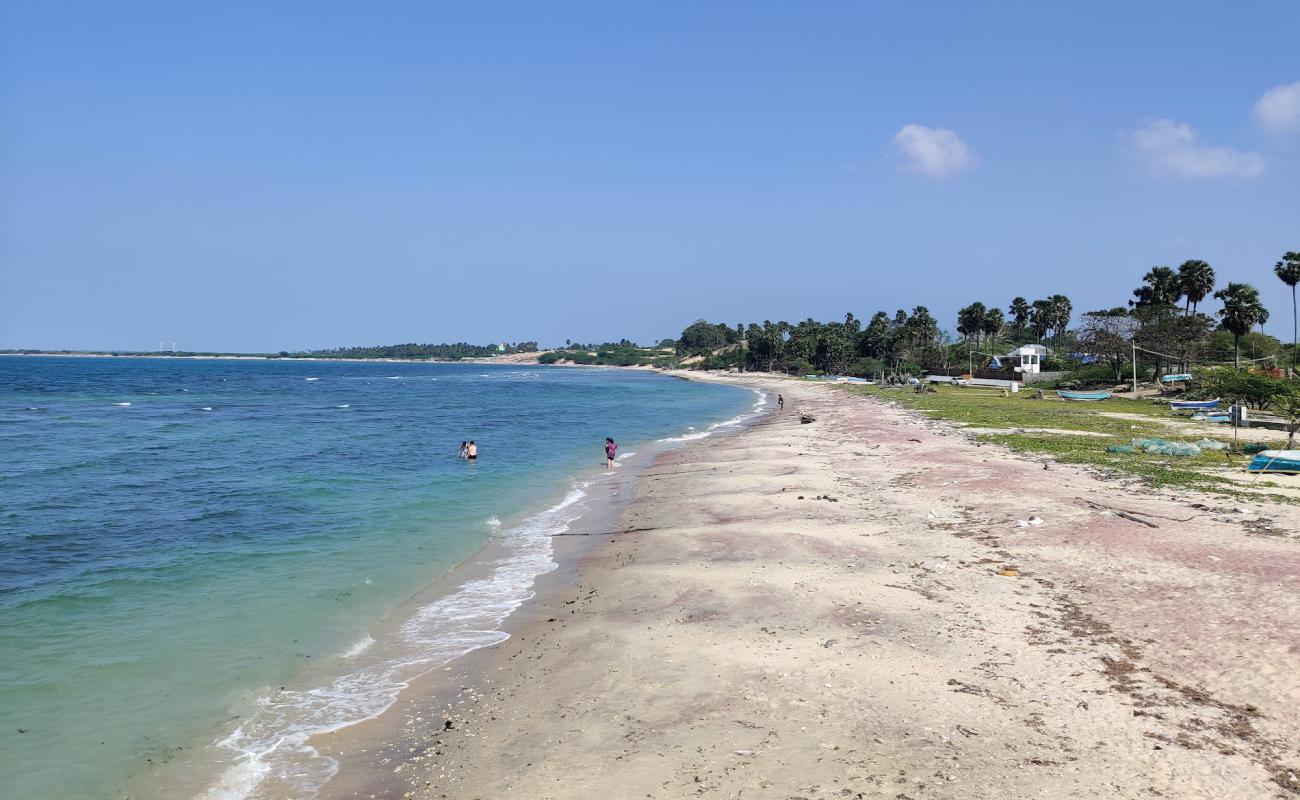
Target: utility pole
[(1135, 370)]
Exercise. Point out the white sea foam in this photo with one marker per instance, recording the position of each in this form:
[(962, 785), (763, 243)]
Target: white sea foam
[(358, 647), (239, 780), (124, 405), (739, 419), (269, 749), (686, 437), (205, 408), (625, 455), (345, 405), (493, 522), (394, 377), (311, 379)]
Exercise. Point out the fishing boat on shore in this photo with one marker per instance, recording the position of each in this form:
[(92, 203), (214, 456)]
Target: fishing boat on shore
[(1284, 461), (1193, 405), (1064, 395), (1213, 416)]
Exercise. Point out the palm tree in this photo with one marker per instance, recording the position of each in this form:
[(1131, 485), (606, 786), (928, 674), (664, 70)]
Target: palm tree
[(922, 326), (970, 321), (1195, 281), (1020, 310), (874, 342), (1059, 311), (1040, 318), (1241, 312), (1160, 288), (993, 323), (1288, 271)]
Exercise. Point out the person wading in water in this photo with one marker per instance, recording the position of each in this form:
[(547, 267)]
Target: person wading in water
[(611, 450)]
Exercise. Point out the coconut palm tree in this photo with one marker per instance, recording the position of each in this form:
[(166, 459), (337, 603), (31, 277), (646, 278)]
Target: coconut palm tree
[(1020, 310), (1195, 281), (1288, 271), (1241, 311)]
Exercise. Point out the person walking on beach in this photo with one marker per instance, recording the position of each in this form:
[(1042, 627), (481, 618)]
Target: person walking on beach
[(611, 450), (471, 451), (780, 403), (464, 449)]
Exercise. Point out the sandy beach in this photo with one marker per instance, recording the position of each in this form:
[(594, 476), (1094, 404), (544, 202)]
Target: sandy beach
[(874, 605)]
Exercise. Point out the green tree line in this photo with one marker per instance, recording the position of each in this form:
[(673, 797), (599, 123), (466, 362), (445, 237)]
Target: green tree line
[(1162, 316), (447, 352)]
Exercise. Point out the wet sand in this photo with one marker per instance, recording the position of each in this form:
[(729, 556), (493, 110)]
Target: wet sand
[(851, 608)]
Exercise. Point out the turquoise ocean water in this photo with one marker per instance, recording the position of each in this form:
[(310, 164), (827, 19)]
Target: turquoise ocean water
[(202, 563)]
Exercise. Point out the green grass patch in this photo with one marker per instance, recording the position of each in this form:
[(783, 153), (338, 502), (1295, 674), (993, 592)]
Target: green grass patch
[(1158, 472), (983, 408)]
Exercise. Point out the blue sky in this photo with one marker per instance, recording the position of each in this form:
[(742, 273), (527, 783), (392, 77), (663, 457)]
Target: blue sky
[(240, 176)]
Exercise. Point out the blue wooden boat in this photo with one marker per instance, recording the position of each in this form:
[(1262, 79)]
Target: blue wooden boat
[(1083, 395), (1193, 405), (1286, 461), (1181, 377)]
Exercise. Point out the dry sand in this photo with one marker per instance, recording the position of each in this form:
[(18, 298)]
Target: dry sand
[(849, 609)]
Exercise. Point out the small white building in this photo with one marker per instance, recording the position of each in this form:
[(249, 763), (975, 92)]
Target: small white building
[(1026, 358)]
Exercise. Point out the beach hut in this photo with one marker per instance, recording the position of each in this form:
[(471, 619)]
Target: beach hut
[(1027, 358)]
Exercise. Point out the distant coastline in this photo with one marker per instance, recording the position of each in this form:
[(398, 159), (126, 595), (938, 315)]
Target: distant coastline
[(608, 355), (529, 358)]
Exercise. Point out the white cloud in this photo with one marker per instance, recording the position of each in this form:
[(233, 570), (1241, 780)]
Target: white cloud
[(1169, 148), (937, 152), (1278, 111)]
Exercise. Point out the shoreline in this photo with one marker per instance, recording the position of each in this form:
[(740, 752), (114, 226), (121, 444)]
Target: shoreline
[(893, 630), (364, 749), (596, 497)]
